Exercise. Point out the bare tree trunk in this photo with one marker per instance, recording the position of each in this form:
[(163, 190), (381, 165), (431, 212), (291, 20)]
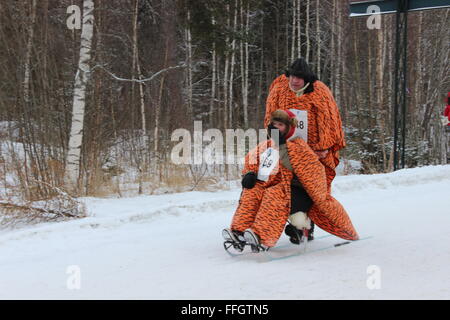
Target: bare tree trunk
[(333, 48), (26, 93), (158, 105), (294, 25), (380, 96), (79, 97), (219, 81), (390, 102), (277, 40), (339, 42), (244, 62), (213, 82), (225, 76), (142, 100), (94, 144), (136, 67), (257, 121), (116, 148), (318, 38), (190, 65), (287, 36), (356, 88), (308, 41), (299, 28), (418, 84), (27, 77), (233, 64)]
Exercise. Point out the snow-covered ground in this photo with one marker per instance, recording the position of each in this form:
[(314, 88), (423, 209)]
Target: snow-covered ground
[(170, 247)]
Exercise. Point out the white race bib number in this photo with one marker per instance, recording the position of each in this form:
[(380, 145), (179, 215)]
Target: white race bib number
[(302, 127), (268, 162)]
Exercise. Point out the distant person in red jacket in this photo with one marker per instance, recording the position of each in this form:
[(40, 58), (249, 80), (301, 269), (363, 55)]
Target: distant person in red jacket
[(447, 110), (447, 127)]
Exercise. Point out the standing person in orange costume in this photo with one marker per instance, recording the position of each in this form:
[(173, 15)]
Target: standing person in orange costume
[(300, 90), (319, 121)]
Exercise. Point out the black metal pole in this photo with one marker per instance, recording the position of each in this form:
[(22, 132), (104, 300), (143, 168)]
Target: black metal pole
[(396, 82), (405, 74)]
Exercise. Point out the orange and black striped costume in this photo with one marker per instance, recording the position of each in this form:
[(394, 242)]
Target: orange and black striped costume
[(324, 121), (265, 208)]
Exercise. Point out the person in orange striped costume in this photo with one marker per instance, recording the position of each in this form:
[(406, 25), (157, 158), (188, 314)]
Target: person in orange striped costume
[(319, 120), (275, 173)]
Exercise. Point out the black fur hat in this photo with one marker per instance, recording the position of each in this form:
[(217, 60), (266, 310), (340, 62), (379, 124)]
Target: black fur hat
[(301, 69)]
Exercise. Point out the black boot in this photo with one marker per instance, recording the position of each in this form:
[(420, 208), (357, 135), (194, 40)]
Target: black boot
[(295, 235), (233, 239), (253, 240)]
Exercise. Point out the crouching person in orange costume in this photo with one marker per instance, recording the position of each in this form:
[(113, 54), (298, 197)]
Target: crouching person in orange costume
[(272, 171)]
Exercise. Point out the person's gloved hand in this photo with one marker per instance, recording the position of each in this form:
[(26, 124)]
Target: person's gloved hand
[(249, 180)]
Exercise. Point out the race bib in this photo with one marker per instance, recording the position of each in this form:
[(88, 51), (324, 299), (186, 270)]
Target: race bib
[(268, 162), (302, 127)]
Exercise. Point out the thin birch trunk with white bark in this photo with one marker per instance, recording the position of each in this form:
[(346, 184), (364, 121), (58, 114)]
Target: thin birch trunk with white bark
[(158, 106), (225, 76), (308, 40), (333, 48), (190, 65), (233, 64), (380, 94), (79, 96), (339, 45), (294, 24), (287, 56), (26, 81), (26, 87), (137, 65), (245, 63), (213, 83)]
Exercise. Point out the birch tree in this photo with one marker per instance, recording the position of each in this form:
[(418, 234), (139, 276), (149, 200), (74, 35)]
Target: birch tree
[(190, 65), (308, 41), (380, 115), (339, 53), (27, 77), (26, 85), (79, 96), (225, 76), (294, 28), (245, 16), (213, 80), (137, 65), (232, 66), (141, 156), (333, 47)]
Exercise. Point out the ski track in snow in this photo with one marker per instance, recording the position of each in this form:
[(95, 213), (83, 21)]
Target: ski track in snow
[(170, 247)]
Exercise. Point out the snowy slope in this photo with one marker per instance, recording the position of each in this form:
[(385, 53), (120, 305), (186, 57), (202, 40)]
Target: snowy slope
[(170, 247)]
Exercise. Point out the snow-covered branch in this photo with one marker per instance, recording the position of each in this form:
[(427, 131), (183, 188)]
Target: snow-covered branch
[(139, 80)]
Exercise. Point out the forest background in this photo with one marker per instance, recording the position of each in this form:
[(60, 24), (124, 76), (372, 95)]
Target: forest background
[(116, 85)]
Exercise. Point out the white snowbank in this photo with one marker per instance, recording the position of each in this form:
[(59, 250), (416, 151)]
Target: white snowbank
[(404, 177), (170, 247), (115, 212)]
